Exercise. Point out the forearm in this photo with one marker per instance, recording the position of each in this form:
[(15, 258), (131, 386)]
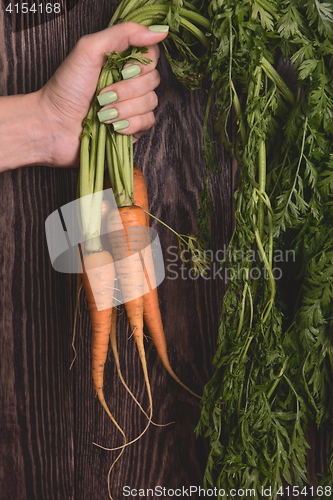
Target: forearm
[(24, 134)]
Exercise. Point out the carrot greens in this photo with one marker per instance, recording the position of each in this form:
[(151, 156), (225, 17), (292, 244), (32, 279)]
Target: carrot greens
[(273, 364)]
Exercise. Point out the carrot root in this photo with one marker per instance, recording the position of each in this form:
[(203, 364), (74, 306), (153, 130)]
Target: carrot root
[(79, 287), (128, 240), (113, 341)]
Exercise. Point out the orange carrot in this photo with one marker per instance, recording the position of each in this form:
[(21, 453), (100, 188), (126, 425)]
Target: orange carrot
[(106, 207), (113, 341), (128, 237), (140, 191), (79, 286), (151, 309), (98, 281)]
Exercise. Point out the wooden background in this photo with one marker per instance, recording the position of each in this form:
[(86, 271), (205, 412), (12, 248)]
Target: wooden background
[(49, 415)]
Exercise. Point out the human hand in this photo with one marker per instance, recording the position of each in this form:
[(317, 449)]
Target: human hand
[(65, 99)]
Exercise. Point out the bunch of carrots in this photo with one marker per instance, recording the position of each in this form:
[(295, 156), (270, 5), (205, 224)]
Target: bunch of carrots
[(124, 258)]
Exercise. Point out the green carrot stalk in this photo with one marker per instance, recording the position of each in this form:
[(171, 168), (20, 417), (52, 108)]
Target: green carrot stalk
[(262, 185), (276, 78)]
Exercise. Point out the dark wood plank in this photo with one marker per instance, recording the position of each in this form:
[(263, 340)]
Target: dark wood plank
[(36, 303)]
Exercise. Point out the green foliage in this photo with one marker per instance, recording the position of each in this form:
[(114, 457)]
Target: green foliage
[(274, 357)]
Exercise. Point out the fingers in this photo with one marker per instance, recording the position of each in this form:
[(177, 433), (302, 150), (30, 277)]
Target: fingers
[(148, 79), (128, 94), (131, 116), (143, 125), (129, 104), (136, 126), (117, 39), (129, 108), (153, 54), (132, 88)]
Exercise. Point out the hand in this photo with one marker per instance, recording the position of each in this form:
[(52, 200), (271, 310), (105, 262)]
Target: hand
[(65, 99)]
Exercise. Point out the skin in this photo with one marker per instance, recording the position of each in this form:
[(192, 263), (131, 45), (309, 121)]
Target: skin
[(44, 127)]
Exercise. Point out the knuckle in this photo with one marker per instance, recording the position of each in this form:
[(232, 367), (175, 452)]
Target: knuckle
[(154, 54), (154, 100), (132, 86), (156, 78), (128, 26), (85, 48), (83, 43), (150, 120)]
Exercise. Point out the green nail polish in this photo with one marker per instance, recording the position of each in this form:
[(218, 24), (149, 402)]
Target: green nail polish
[(159, 28), (130, 71), (120, 125), (107, 114), (107, 98)]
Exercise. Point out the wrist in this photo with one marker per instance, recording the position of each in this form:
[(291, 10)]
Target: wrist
[(41, 131), (24, 135), (63, 131)]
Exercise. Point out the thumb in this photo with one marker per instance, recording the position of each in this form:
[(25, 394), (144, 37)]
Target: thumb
[(119, 38)]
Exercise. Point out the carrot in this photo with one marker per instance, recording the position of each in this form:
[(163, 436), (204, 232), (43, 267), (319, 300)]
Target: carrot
[(99, 291), (151, 309), (106, 207), (79, 286), (140, 191), (128, 237), (113, 341)]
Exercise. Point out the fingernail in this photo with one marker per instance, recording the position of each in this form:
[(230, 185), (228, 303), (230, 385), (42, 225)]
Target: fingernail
[(130, 71), (107, 98), (107, 114), (159, 28), (120, 125)]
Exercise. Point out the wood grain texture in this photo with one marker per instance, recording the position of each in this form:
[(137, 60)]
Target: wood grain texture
[(49, 415)]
